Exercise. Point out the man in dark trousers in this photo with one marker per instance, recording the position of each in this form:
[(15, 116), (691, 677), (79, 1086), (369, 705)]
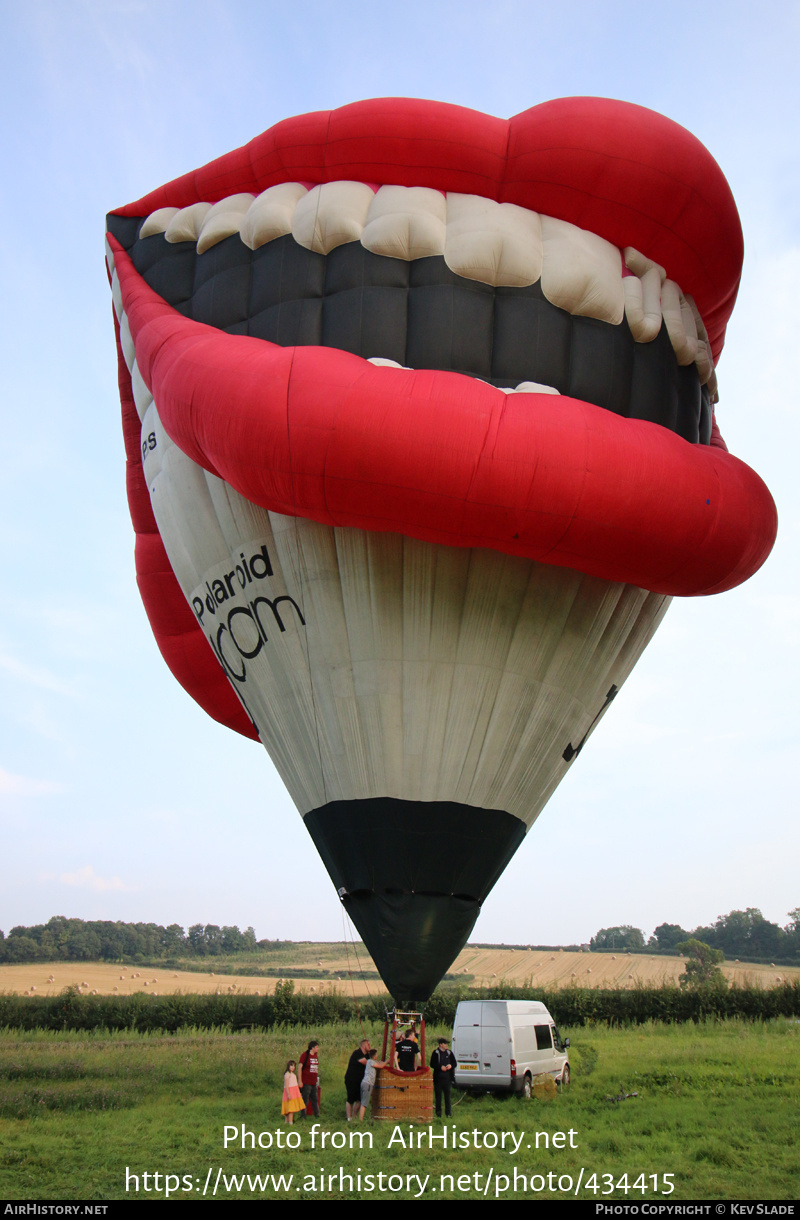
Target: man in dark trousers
[(353, 1077), (443, 1062), (308, 1071)]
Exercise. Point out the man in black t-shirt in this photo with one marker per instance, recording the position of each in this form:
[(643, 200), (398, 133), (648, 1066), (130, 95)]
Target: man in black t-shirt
[(406, 1053), (353, 1077)]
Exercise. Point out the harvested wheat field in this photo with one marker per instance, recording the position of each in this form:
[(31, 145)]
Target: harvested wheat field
[(478, 967), (104, 979), (564, 968), (100, 978)]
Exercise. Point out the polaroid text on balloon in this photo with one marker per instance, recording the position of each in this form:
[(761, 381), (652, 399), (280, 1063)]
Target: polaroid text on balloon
[(233, 610)]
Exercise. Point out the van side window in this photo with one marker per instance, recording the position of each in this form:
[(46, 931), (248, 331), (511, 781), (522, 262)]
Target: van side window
[(543, 1040), (557, 1039)]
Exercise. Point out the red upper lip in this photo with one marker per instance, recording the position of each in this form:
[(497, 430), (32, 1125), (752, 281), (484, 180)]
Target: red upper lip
[(626, 173)]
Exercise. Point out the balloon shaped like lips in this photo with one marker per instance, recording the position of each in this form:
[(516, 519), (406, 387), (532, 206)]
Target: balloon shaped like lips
[(423, 588)]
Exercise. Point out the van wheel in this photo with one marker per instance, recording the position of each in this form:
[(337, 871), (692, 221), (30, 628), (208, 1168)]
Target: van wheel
[(565, 1076), (527, 1088)]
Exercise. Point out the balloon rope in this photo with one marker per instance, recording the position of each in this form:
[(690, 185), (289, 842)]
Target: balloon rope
[(350, 973)]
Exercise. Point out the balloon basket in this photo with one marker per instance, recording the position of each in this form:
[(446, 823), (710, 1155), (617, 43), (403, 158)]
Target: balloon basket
[(402, 1095)]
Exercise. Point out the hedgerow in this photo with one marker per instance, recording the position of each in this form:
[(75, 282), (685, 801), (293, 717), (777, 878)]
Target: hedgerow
[(571, 1007)]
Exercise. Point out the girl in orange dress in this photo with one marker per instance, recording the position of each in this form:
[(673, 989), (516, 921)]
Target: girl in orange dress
[(292, 1097)]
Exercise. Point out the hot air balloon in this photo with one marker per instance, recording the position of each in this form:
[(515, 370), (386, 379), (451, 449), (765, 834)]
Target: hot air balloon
[(419, 407)]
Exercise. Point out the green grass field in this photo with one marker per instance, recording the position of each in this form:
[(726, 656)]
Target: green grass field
[(717, 1109)]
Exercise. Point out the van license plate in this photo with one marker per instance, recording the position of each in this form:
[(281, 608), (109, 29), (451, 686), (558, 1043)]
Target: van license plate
[(467, 1067)]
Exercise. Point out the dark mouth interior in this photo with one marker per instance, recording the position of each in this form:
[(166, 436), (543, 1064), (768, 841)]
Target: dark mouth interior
[(422, 315)]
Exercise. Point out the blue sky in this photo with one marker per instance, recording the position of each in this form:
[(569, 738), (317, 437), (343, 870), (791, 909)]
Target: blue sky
[(119, 798)]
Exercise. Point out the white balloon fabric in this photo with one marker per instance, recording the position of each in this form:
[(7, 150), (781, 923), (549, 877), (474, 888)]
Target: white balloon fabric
[(408, 693)]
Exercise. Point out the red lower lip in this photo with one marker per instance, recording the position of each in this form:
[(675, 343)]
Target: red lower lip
[(319, 433)]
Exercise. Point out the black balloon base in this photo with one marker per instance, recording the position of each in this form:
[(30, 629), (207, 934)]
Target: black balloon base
[(412, 876), (413, 938)]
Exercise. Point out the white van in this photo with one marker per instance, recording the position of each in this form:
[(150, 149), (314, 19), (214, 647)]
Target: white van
[(505, 1044)]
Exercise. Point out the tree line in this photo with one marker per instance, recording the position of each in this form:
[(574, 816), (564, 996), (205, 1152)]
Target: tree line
[(78, 940), (743, 934)]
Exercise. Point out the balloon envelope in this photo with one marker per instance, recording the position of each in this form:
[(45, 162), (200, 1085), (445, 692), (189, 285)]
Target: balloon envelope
[(422, 589)]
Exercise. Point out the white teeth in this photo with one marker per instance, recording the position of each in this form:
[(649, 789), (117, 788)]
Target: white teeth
[(581, 272), (126, 341), (639, 265), (496, 243), (222, 220), (705, 362), (406, 222), (185, 224), (270, 214), (652, 281), (533, 387), (524, 387), (142, 397), (675, 319), (671, 310), (116, 295), (690, 330), (643, 304), (685, 327), (331, 215), (157, 221)]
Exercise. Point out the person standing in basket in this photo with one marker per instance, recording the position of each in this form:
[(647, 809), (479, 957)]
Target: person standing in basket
[(309, 1076), (405, 1053), (443, 1062)]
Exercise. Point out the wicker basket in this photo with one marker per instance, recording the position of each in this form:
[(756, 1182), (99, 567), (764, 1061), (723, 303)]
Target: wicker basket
[(399, 1095)]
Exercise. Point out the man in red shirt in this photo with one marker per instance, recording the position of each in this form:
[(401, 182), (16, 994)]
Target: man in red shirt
[(309, 1076)]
